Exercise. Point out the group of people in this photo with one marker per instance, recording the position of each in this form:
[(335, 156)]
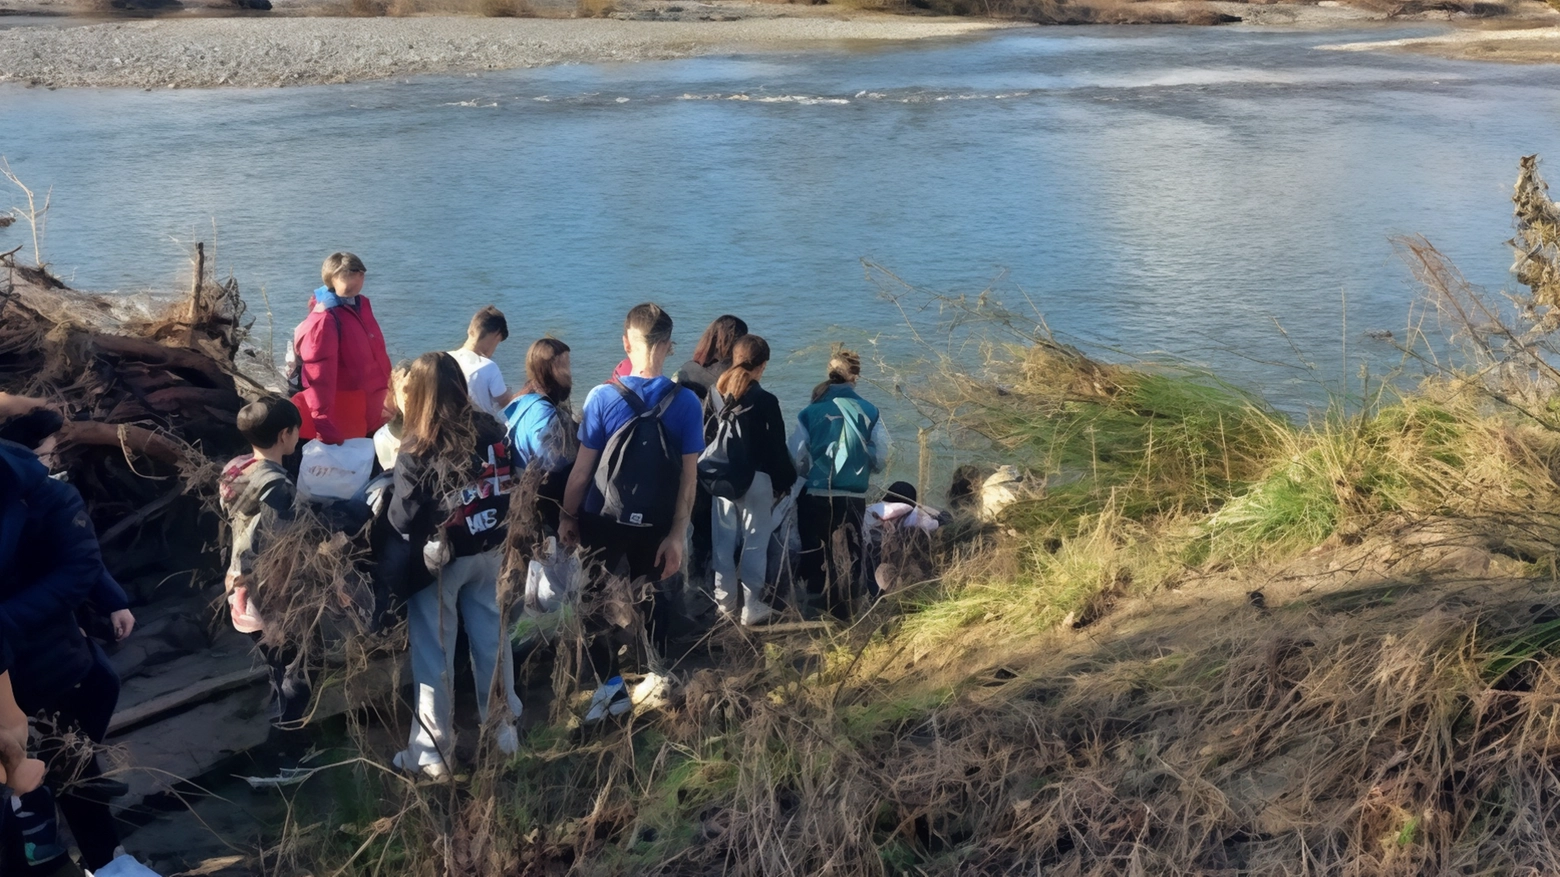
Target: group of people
[(693, 483), (673, 484)]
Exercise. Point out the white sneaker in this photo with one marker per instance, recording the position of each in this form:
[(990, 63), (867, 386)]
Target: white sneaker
[(652, 692), (123, 865), (405, 761), (507, 739), (755, 612), (726, 604), (611, 699)]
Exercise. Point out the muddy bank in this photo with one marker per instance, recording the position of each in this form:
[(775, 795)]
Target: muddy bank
[(203, 53)]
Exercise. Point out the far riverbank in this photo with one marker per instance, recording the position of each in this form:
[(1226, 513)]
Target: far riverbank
[(276, 51), (1527, 45)]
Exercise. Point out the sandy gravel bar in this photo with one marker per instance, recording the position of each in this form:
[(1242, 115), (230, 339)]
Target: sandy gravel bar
[(1523, 46), (249, 52)]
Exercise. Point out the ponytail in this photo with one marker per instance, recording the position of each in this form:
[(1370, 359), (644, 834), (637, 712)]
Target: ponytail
[(748, 355), (844, 367)]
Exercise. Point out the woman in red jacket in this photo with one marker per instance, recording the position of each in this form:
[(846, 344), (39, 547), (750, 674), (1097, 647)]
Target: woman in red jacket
[(344, 365)]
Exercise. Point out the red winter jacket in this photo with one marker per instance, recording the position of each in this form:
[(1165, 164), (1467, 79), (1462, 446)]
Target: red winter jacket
[(349, 362)]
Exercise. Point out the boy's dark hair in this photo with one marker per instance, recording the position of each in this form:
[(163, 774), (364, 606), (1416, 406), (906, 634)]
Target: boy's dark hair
[(263, 421), (487, 321), (900, 491), (649, 320)]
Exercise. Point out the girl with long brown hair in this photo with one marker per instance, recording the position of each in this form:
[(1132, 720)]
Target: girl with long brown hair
[(541, 425), (452, 480), (740, 526), (711, 357)]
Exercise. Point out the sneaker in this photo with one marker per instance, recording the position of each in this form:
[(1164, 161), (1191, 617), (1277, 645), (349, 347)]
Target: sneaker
[(507, 739), (405, 761), (652, 692), (123, 865), (611, 699), (32, 815), (756, 612), (726, 604)]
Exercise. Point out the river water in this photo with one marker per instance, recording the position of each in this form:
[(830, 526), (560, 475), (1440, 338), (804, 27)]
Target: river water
[(1170, 191)]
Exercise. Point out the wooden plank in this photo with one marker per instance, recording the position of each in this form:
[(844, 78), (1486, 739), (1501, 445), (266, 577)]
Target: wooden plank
[(143, 661), (160, 754), (187, 696), (787, 627)]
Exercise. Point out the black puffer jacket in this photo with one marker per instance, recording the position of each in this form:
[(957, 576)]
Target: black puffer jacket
[(763, 426), (421, 504)]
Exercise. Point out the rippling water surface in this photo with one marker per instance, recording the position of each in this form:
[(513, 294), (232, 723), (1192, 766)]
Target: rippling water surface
[(1152, 189)]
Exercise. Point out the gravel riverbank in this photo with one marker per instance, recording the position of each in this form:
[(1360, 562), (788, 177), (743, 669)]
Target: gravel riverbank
[(1537, 45), (261, 52)]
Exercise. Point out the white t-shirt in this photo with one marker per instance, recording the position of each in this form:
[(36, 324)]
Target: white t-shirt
[(483, 380)]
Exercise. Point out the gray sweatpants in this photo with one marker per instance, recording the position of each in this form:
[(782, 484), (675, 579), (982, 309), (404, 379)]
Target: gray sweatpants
[(466, 592), (742, 526)]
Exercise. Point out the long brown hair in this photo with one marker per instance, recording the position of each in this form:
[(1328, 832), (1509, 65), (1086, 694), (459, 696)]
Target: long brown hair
[(718, 342), (844, 366), (439, 417), (748, 355), (541, 370)]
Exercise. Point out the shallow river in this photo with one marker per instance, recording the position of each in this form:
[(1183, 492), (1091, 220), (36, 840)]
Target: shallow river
[(1150, 189)]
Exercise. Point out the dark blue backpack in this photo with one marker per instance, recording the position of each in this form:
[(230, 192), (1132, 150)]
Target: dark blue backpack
[(640, 471)]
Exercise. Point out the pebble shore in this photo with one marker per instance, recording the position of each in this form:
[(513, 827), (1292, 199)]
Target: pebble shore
[(255, 52)]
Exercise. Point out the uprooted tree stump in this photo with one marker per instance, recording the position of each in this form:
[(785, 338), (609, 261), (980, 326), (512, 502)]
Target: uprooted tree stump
[(150, 391)]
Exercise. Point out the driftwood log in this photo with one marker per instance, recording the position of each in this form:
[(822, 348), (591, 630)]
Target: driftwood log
[(150, 393)]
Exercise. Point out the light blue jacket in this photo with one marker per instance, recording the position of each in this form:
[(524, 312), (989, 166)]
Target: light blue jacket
[(538, 433)]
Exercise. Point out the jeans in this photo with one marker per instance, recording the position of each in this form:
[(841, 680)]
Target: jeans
[(466, 593), (739, 532)]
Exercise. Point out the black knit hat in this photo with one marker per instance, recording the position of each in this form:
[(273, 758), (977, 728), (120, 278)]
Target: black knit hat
[(900, 491)]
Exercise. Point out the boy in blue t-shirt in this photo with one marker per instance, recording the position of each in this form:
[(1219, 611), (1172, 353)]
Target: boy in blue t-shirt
[(647, 552)]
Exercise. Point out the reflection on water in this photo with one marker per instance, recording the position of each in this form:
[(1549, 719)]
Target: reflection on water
[(1152, 189)]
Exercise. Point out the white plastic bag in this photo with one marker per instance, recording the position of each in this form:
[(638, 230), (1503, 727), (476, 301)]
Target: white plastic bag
[(335, 471), (553, 578)]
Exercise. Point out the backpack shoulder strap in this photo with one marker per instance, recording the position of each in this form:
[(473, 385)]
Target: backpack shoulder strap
[(665, 404), (629, 396)]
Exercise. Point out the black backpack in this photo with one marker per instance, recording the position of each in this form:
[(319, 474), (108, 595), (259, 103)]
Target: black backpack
[(726, 466), (640, 471)]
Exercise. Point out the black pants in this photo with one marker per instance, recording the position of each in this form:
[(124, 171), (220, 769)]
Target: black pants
[(549, 501), (87, 706), (290, 690), (818, 519), (697, 563), (627, 552)]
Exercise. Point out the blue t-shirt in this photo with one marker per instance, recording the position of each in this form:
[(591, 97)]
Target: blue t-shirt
[(606, 412)]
